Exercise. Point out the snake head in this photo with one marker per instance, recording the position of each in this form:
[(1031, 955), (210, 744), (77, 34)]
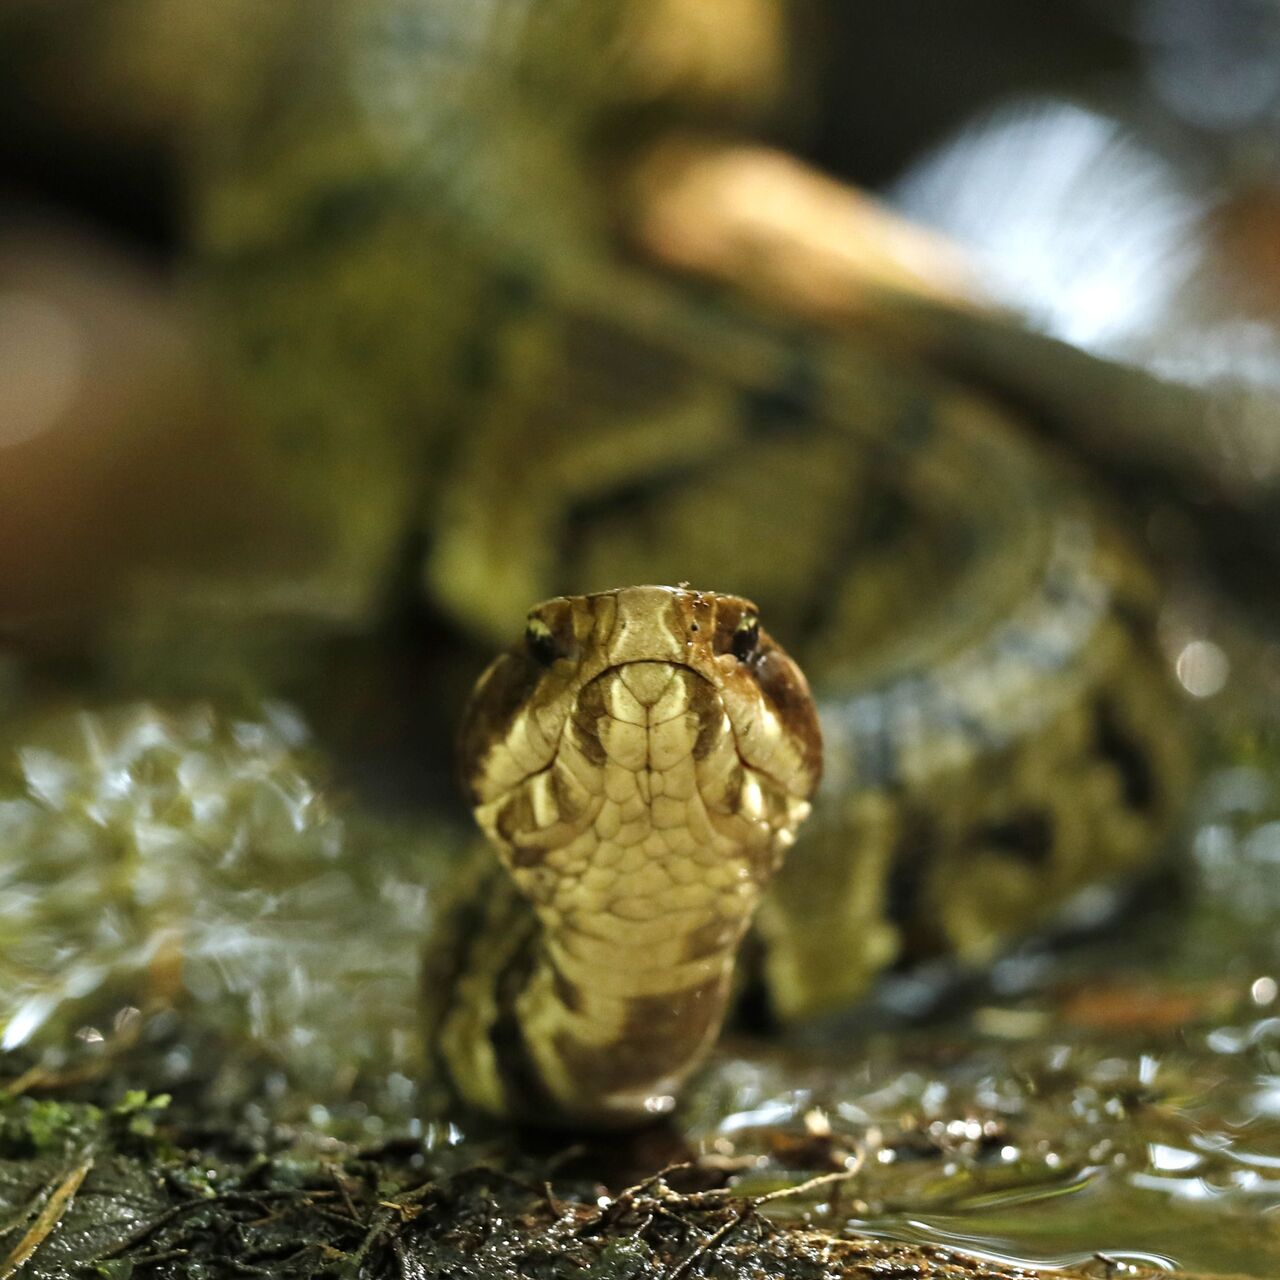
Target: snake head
[(635, 728)]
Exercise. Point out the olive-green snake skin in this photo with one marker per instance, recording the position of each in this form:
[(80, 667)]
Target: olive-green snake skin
[(996, 716), (441, 338), (642, 761)]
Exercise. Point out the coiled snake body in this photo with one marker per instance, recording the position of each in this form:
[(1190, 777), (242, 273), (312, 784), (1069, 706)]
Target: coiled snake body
[(643, 759), (439, 341), (997, 720)]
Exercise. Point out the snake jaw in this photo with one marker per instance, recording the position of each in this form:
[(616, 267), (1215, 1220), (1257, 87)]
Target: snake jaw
[(641, 775)]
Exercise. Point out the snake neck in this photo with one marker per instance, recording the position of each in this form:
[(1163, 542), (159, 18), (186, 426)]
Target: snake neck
[(621, 1023), (550, 1024)]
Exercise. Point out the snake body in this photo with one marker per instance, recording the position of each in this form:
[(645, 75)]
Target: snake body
[(998, 724), (429, 320), (643, 758)]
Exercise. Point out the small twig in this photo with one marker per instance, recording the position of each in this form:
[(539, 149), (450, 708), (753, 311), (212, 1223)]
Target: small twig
[(334, 1218), (341, 1183), (554, 1203), (145, 1229), (39, 1078), (255, 1198), (631, 1194), (378, 1223), (703, 1199), (644, 1225), (414, 1194), (749, 1208), (47, 1219), (248, 1268), (629, 1198), (802, 1188), (20, 1084), (716, 1238)]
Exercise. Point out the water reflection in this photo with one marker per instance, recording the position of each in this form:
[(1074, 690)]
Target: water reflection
[(1123, 1096), (1114, 235), (1082, 227), (226, 880)]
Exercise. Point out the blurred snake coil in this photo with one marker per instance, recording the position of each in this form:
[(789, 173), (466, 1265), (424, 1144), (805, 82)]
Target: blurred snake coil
[(407, 218)]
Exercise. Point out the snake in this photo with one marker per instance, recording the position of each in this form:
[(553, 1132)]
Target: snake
[(642, 761), (427, 314)]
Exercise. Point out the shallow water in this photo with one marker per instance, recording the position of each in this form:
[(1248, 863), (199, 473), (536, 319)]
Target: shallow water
[(1119, 1097)]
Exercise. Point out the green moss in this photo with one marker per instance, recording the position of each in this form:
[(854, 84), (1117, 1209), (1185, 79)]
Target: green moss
[(29, 1128)]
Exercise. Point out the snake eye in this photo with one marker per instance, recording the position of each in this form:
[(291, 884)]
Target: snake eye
[(746, 636), (540, 641)]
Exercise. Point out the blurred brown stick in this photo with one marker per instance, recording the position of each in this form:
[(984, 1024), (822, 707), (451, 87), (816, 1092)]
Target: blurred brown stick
[(768, 227)]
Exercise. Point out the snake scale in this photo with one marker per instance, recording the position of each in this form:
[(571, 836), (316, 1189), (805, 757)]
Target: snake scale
[(408, 215)]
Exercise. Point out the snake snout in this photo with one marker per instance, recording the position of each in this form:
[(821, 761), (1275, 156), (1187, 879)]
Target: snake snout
[(647, 683)]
